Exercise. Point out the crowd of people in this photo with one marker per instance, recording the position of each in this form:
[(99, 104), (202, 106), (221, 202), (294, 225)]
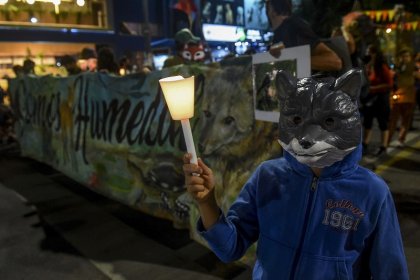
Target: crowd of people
[(89, 60), (101, 60), (391, 98)]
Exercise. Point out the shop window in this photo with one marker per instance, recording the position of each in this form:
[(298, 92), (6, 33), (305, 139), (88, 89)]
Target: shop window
[(55, 13)]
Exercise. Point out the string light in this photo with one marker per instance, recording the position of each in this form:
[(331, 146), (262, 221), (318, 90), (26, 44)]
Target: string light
[(56, 3), (80, 3)]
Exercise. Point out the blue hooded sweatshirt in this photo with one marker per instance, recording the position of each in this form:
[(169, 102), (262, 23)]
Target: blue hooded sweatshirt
[(342, 225)]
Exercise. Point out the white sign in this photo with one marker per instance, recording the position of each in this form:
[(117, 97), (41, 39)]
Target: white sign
[(222, 33), (296, 60)]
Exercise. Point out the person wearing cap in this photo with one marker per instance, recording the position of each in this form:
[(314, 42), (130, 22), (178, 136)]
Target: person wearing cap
[(70, 63), (29, 67), (189, 49), (88, 60)]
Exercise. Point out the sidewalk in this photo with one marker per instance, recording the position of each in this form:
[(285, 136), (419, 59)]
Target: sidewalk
[(31, 250), (400, 168)]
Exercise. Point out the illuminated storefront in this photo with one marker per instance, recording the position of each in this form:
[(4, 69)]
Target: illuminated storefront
[(55, 13)]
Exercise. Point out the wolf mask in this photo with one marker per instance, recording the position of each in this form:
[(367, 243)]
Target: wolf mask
[(319, 118)]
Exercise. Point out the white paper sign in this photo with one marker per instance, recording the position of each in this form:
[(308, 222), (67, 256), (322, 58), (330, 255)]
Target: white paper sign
[(264, 68)]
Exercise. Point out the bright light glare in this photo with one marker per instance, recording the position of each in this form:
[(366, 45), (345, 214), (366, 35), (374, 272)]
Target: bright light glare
[(30, 2), (388, 30), (56, 2), (80, 2), (34, 20), (2, 2), (179, 96)]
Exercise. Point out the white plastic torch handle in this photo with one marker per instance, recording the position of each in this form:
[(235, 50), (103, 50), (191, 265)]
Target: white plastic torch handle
[(189, 141)]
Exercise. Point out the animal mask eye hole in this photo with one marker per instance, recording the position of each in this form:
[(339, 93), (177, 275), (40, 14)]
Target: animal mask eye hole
[(329, 122), (199, 55), (228, 120), (207, 114), (297, 120), (186, 55)]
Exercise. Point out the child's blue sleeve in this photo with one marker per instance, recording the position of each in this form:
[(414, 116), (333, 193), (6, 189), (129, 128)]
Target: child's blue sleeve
[(231, 236), (387, 259)]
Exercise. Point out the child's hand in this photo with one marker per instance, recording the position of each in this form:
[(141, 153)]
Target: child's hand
[(199, 180)]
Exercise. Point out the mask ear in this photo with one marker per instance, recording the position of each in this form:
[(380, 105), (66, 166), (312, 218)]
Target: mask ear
[(350, 83), (285, 84)]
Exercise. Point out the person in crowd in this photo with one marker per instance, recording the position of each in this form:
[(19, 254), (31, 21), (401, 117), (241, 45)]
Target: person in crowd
[(124, 66), (348, 37), (147, 68), (376, 103), (7, 134), (315, 213), (359, 30), (362, 30), (349, 54), (417, 77), (404, 97), (106, 61), (292, 31), (28, 67), (189, 49), (70, 63), (3, 95), (18, 70), (88, 60)]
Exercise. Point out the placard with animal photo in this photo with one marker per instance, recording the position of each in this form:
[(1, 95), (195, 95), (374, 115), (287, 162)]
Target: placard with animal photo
[(264, 69)]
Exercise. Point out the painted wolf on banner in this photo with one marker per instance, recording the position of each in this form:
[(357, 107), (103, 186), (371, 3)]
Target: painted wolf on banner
[(230, 138)]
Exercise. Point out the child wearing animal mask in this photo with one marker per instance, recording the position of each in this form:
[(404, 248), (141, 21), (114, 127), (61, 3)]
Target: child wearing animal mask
[(315, 213)]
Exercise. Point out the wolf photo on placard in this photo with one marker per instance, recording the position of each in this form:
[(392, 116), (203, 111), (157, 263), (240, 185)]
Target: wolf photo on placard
[(295, 60), (266, 96)]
